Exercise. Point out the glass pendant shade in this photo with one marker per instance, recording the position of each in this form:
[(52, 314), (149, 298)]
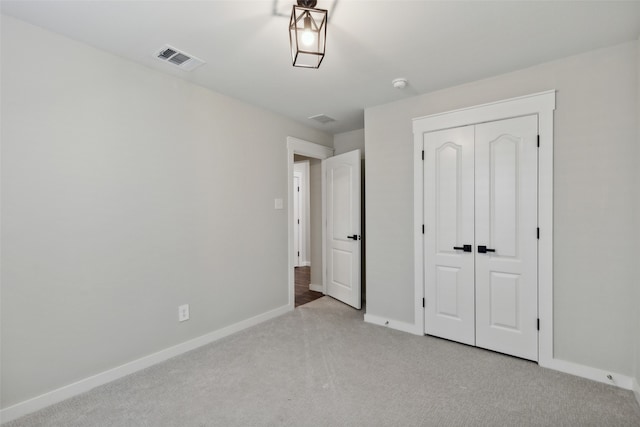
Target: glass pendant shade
[(307, 34)]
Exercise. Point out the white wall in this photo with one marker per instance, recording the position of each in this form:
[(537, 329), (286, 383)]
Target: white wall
[(125, 193), (594, 161), (349, 141)]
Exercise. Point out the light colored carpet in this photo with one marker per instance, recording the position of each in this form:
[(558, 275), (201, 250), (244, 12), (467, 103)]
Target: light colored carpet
[(321, 365)]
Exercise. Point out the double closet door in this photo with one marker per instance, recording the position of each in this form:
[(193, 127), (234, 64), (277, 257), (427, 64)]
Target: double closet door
[(480, 245)]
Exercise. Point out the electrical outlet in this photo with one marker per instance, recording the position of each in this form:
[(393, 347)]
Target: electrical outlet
[(183, 313)]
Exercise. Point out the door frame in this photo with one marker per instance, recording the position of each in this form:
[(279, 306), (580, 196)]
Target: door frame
[(314, 151), (542, 104)]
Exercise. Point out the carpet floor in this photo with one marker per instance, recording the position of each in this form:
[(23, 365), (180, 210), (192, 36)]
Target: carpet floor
[(321, 365)]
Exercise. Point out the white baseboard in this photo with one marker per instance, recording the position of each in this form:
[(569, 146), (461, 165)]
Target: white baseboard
[(595, 374), (619, 380), (317, 288), (636, 390), (393, 324), (28, 406)]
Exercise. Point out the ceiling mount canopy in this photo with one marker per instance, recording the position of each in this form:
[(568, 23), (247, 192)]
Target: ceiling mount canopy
[(307, 34)]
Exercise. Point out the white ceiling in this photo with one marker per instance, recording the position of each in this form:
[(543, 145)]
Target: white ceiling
[(369, 43)]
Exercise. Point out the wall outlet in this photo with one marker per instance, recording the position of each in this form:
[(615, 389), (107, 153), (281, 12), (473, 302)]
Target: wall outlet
[(183, 313)]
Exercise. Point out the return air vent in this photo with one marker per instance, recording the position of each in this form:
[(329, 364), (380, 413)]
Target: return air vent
[(322, 118), (178, 58)]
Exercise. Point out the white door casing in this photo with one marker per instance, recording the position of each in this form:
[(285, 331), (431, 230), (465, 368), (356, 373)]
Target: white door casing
[(541, 104), (343, 229), (449, 224), (506, 171)]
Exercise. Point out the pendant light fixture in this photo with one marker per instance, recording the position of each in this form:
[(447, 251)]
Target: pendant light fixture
[(307, 34)]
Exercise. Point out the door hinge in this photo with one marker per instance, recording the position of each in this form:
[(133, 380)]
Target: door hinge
[(298, 221), (422, 154), (538, 233), (422, 302), (538, 324), (538, 140), (298, 253), (422, 228), (298, 189)]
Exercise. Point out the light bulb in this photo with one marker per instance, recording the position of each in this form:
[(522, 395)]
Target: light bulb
[(308, 37)]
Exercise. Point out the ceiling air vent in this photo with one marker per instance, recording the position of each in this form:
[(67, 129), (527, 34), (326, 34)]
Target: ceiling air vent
[(178, 58), (322, 118)]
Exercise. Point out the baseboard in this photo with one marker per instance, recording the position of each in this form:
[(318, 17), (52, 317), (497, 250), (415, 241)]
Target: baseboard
[(306, 263), (39, 402), (636, 390), (316, 288), (619, 380), (595, 374), (393, 324)]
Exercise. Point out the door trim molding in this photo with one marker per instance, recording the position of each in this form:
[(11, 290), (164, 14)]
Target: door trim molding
[(315, 151), (542, 104)]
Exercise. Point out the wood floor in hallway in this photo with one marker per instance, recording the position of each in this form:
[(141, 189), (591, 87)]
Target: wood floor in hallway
[(303, 294)]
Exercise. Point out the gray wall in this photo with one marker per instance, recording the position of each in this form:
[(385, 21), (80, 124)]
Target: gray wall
[(125, 193), (349, 141), (594, 160)]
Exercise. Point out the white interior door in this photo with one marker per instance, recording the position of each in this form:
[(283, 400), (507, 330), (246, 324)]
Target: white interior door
[(296, 220), (506, 176), (343, 233), (449, 234)]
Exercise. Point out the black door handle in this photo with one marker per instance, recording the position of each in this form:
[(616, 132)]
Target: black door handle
[(466, 248), (483, 249), (354, 237)]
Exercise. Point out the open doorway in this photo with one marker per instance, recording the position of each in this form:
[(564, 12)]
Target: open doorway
[(307, 226), (310, 265), (339, 252)]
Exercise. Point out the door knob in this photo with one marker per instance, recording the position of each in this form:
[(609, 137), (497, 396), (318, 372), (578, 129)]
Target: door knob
[(466, 248), (354, 237), (483, 249)]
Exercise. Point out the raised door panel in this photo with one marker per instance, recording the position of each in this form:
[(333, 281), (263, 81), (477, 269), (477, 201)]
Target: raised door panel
[(506, 224), (448, 210)]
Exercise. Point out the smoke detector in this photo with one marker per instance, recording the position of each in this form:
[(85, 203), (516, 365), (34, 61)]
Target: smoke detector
[(178, 58), (400, 83)]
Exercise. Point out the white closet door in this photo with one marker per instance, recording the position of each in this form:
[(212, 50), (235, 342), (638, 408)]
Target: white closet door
[(449, 213), (506, 225)]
